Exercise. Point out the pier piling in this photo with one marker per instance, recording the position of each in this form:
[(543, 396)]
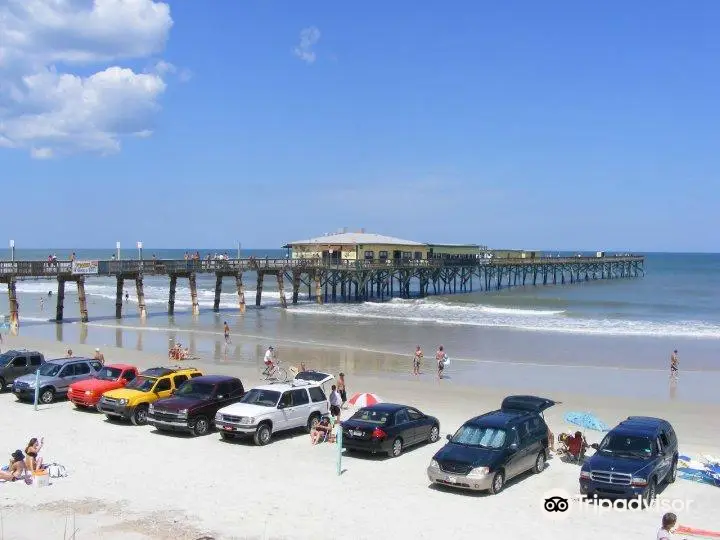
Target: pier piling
[(140, 290), (258, 289), (193, 294), (240, 292), (281, 290), (171, 294), (119, 297), (295, 287), (82, 299), (218, 292), (13, 304), (60, 300), (318, 288)]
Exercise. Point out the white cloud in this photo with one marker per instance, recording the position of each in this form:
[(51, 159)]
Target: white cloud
[(62, 86), (308, 39)]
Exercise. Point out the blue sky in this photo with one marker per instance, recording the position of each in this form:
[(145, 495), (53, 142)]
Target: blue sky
[(527, 124)]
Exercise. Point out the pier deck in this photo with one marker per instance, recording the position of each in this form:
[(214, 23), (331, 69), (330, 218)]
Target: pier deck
[(325, 280)]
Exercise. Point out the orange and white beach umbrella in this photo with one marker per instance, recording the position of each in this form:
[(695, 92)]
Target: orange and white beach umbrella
[(364, 399)]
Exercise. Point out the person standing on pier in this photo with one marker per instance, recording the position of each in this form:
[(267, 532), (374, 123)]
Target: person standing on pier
[(417, 360), (674, 365)]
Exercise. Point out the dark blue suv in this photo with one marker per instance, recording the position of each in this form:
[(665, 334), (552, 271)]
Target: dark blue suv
[(632, 460)]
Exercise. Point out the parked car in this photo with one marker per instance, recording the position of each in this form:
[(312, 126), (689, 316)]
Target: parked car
[(388, 428), (272, 408), (193, 406), (133, 401), (87, 393), (490, 449), (16, 363), (632, 460), (56, 376)]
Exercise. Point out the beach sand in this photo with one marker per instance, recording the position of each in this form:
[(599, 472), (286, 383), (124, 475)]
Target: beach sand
[(130, 482)]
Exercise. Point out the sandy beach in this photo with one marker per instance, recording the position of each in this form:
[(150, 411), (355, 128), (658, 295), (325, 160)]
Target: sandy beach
[(128, 482)]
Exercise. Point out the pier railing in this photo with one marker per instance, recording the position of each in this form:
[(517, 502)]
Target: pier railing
[(49, 269)]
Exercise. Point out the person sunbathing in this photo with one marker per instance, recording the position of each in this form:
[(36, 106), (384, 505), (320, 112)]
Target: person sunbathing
[(16, 469), (32, 461), (322, 431)]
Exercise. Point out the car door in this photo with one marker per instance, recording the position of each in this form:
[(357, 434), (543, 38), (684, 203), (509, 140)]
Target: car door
[(664, 455), (404, 428), (83, 371), (178, 380), (163, 388), (34, 364), (300, 408), (17, 367), (420, 425), (529, 445), (65, 378), (514, 465), (281, 420)]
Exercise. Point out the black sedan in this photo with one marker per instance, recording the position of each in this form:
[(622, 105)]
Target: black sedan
[(388, 428)]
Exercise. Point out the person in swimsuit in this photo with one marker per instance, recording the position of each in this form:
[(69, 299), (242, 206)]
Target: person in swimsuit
[(342, 390), (674, 364), (16, 468), (417, 360), (32, 461), (440, 356), (226, 331)]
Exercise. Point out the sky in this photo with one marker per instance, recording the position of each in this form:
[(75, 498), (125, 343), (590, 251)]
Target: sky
[(516, 124)]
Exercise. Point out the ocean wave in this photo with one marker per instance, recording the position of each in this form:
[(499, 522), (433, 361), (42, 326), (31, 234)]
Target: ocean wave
[(433, 312)]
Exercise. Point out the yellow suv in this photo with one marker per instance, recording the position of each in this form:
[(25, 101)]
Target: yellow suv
[(152, 384)]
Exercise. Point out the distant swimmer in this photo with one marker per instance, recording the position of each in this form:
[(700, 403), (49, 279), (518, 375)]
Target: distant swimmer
[(42, 303), (674, 364), (127, 297)]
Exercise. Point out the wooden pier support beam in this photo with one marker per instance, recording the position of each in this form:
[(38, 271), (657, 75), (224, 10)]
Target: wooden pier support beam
[(296, 287), (171, 295), (13, 305), (140, 291), (258, 288), (193, 294), (240, 292), (218, 292), (281, 290), (82, 299), (119, 297), (318, 287), (60, 301)]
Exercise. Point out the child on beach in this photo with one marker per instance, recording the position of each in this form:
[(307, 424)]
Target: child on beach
[(668, 524)]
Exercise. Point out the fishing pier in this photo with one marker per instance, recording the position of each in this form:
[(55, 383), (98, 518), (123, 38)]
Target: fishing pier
[(326, 277)]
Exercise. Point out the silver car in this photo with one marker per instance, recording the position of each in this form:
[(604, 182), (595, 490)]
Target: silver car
[(55, 379)]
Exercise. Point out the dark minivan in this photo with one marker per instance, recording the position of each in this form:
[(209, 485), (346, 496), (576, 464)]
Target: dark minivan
[(15, 364), (490, 449)]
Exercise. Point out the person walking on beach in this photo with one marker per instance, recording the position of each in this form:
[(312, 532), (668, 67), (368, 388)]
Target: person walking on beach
[(674, 365), (99, 356), (342, 389), (226, 331), (440, 356), (42, 303), (417, 360)]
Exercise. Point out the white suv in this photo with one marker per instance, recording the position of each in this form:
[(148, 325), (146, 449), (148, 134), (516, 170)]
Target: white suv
[(270, 408)]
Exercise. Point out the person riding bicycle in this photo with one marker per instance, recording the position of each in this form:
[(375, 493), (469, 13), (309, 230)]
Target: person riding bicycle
[(269, 360)]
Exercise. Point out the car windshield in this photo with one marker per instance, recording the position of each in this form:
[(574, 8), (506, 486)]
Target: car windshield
[(143, 384), (482, 437), (109, 373), (49, 369), (371, 416), (195, 389), (264, 398), (629, 445)]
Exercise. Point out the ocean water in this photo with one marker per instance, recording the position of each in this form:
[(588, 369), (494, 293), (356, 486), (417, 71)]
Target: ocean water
[(626, 323)]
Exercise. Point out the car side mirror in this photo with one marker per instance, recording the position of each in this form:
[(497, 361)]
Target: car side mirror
[(514, 447), (220, 396), (281, 406), (448, 437), (595, 446)]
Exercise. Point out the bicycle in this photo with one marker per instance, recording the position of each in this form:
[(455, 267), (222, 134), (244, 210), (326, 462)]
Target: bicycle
[(277, 373)]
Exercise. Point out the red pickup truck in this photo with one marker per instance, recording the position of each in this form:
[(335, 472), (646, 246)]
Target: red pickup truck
[(87, 393)]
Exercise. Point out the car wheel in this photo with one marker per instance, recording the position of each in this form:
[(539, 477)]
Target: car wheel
[(434, 434), (650, 493), (201, 426), (672, 476), (539, 463), (262, 435), (312, 423), (139, 415), (396, 448), (47, 396), (498, 482), (226, 436), (110, 417), (2, 384)]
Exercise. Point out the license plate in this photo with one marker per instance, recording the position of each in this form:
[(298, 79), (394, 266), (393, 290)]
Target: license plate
[(227, 428), (451, 479), (356, 433)]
